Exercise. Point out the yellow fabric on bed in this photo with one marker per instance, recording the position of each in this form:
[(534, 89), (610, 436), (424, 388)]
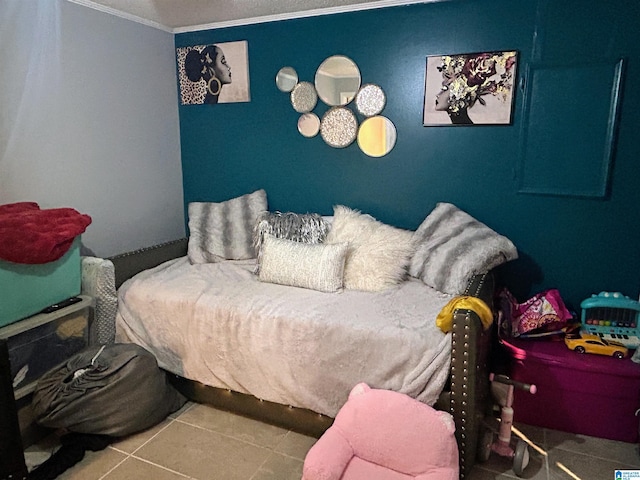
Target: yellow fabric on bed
[(444, 320)]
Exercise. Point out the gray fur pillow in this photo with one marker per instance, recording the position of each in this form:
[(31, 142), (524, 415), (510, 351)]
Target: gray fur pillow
[(223, 231), (452, 247), (308, 228)]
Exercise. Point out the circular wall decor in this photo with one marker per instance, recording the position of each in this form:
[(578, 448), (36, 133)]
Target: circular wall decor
[(337, 80), (339, 127), (286, 79), (308, 125), (377, 136), (370, 100), (304, 97)]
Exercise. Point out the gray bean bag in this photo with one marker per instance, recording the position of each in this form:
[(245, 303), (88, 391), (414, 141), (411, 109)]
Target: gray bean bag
[(113, 390)]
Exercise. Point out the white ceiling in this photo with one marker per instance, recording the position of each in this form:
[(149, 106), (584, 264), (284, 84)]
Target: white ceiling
[(189, 15)]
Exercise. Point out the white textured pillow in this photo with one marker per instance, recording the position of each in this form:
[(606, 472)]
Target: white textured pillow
[(378, 253), (224, 231), (304, 228), (314, 266), (452, 247)]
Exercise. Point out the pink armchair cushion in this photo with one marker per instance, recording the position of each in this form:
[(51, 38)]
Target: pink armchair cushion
[(380, 434), (359, 469), (329, 457)]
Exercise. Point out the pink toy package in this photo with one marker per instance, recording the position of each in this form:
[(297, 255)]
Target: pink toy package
[(544, 312)]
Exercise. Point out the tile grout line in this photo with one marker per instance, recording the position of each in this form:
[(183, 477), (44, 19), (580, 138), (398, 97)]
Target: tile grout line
[(273, 450), (149, 462), (146, 441), (129, 455), (593, 454), (114, 467), (261, 465), (226, 435)]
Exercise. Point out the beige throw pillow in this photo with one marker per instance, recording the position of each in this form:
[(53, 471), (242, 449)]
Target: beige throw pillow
[(314, 266), (378, 253)]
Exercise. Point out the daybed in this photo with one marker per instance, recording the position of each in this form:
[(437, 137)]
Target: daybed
[(243, 335)]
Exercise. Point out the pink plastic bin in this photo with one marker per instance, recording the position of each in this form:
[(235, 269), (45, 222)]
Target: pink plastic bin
[(580, 393)]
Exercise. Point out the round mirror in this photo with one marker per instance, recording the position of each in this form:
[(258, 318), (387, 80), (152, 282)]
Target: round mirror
[(308, 125), (286, 79), (339, 127), (377, 136), (304, 97), (370, 100), (337, 80)]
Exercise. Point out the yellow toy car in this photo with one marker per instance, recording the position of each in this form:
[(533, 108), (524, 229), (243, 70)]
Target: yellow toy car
[(589, 343)]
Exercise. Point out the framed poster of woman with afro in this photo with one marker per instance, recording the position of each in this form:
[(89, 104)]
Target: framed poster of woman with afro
[(215, 73), (470, 89)]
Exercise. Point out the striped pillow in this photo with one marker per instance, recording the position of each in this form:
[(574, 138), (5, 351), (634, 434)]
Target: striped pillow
[(224, 231), (452, 247)]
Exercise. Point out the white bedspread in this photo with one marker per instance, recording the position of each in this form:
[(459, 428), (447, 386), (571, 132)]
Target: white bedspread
[(218, 324)]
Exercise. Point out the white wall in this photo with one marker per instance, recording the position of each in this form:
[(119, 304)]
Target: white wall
[(89, 120)]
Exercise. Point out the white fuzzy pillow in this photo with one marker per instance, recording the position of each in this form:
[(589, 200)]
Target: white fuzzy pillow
[(378, 253), (314, 266), (224, 231), (452, 247)]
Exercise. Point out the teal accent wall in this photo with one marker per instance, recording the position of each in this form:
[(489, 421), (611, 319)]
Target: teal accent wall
[(581, 245)]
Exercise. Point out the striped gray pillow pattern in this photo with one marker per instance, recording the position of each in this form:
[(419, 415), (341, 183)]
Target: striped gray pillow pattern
[(313, 266), (224, 231), (452, 246)]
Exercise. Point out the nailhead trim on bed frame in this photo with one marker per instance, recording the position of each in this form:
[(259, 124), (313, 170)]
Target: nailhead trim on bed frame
[(470, 387)]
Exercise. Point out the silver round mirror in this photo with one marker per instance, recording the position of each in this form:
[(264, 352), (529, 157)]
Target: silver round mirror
[(308, 125), (377, 136), (370, 100), (339, 127), (337, 80), (286, 79), (304, 97)]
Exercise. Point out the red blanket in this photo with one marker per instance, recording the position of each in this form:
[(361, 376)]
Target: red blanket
[(31, 235)]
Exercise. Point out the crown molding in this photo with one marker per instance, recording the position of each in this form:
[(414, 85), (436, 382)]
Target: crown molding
[(253, 20), (302, 14), (121, 14)]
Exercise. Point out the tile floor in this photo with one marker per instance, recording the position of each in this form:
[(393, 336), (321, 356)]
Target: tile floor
[(202, 443)]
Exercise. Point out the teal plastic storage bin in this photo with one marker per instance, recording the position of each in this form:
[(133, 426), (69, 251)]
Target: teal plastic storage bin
[(26, 289)]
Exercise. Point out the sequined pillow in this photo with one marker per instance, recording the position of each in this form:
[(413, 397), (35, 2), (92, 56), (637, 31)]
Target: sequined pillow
[(307, 228)]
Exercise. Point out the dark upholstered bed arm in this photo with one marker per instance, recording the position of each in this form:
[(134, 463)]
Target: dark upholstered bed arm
[(469, 400), (131, 263)]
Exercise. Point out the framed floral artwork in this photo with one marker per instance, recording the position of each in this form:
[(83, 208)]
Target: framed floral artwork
[(214, 73), (470, 88)]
